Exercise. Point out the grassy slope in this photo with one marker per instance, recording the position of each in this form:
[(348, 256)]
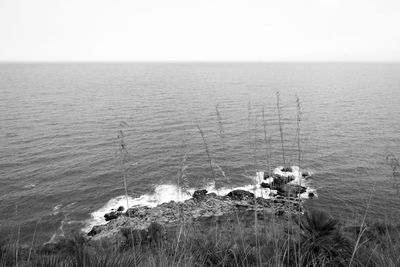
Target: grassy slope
[(228, 241)]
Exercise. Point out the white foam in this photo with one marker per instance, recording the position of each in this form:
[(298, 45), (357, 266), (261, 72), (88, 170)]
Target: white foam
[(170, 192), (29, 186)]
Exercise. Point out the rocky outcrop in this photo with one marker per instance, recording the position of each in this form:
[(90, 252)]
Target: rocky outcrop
[(201, 206)]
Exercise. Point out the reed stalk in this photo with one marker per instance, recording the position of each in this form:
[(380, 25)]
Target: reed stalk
[(267, 157), (266, 142), (124, 158), (208, 156), (124, 155), (33, 240), (299, 113), (222, 137), (280, 126), (284, 165), (363, 228)]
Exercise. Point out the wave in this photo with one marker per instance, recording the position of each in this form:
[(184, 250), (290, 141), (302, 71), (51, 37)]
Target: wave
[(170, 192)]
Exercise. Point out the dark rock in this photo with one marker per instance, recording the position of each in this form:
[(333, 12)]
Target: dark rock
[(139, 212), (240, 194), (305, 174), (287, 169), (310, 195), (291, 190), (112, 215), (265, 185), (271, 194), (120, 208), (211, 194), (95, 230), (280, 180), (266, 176), (199, 194)]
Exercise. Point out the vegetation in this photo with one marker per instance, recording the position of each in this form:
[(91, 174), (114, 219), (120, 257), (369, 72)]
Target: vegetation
[(323, 241)]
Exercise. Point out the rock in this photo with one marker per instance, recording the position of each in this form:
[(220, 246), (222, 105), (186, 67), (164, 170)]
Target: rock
[(95, 230), (280, 180), (120, 208), (137, 212), (139, 218), (311, 195), (266, 176), (272, 194), (305, 174), (265, 185), (287, 169), (112, 215), (199, 194), (291, 190), (240, 194)]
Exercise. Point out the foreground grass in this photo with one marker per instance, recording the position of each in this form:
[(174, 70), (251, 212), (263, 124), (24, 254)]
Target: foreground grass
[(322, 240)]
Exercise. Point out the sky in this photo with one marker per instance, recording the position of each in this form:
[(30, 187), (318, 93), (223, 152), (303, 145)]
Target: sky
[(200, 30)]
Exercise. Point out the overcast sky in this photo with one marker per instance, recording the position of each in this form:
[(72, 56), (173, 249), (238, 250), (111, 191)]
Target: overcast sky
[(200, 30)]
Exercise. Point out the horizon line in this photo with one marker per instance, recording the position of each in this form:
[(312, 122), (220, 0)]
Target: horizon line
[(187, 61)]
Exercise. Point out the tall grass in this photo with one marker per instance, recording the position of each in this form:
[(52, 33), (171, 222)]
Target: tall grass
[(208, 156), (124, 157), (267, 158), (394, 164), (221, 134), (298, 121), (278, 106), (324, 241)]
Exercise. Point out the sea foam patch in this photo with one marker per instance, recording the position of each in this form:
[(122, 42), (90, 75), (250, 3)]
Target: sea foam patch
[(169, 192)]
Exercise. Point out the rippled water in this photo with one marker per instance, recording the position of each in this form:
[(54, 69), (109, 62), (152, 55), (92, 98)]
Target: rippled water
[(59, 126)]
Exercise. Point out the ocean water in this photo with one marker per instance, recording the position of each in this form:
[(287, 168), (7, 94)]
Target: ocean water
[(60, 166)]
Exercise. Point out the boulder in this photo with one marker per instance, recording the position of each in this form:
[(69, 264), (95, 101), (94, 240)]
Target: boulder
[(120, 208), (199, 194), (305, 174), (95, 230), (287, 169), (240, 194), (292, 190), (265, 185), (311, 195), (280, 180), (112, 215), (266, 176)]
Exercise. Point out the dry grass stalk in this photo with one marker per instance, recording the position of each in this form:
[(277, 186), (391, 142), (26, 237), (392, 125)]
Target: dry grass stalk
[(299, 113), (208, 156), (280, 126), (221, 137), (394, 164), (124, 159)]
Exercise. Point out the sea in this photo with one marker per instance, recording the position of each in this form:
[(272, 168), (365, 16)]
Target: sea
[(70, 133)]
